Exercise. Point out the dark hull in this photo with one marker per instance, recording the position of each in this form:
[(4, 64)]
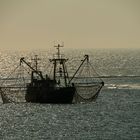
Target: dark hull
[(62, 95)]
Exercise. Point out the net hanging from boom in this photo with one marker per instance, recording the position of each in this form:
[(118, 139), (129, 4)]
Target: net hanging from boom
[(12, 88), (87, 82)]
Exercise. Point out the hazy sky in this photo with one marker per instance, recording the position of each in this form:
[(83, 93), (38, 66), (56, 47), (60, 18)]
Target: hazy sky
[(78, 23)]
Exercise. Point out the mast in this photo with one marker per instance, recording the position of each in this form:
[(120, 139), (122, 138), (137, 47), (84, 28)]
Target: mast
[(36, 62), (58, 48), (60, 60)]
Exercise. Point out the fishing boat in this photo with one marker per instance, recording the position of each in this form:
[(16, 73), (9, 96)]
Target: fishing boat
[(60, 88)]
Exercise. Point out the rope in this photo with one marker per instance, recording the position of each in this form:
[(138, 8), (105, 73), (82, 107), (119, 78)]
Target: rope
[(11, 74), (79, 98), (95, 71)]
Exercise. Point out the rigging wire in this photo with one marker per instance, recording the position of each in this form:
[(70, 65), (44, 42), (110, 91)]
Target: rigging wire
[(14, 89), (11, 73)]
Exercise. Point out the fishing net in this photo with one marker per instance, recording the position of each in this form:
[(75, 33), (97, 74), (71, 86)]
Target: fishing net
[(13, 88), (87, 93), (87, 83)]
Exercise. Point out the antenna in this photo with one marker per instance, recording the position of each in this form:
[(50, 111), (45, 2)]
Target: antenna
[(58, 48), (36, 62)]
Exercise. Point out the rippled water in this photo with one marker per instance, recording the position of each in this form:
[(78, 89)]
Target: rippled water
[(115, 114)]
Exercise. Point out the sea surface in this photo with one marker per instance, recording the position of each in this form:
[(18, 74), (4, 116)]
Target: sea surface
[(115, 115)]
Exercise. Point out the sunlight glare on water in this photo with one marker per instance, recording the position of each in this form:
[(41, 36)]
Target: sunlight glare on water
[(115, 114)]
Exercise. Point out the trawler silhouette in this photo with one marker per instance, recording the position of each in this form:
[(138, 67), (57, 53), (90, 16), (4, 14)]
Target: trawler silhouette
[(60, 89)]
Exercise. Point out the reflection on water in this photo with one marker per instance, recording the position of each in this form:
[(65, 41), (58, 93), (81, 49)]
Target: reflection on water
[(115, 114)]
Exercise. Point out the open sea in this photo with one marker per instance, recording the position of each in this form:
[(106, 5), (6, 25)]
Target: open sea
[(115, 115)]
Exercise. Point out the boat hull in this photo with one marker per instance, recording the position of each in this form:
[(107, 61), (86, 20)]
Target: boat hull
[(62, 95)]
